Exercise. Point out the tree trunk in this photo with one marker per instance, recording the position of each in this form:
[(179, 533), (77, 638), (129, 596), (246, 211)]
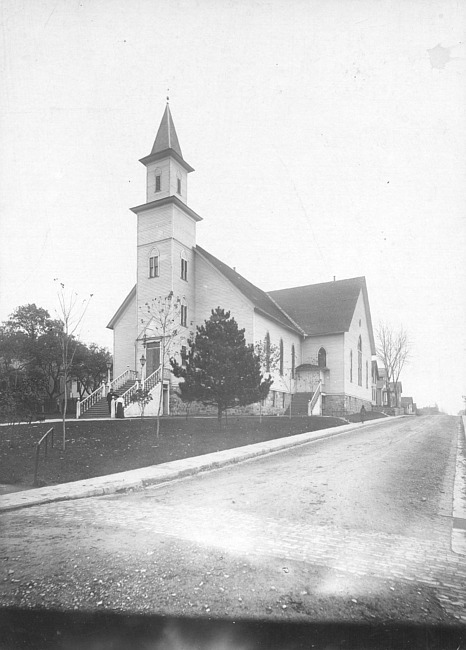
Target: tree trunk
[(65, 405)]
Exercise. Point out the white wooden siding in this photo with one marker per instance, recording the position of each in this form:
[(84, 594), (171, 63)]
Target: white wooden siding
[(124, 335), (155, 225), (262, 325), (351, 343), (184, 228), (334, 346), (213, 290)]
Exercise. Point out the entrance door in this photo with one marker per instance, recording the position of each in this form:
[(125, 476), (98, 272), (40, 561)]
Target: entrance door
[(152, 357)]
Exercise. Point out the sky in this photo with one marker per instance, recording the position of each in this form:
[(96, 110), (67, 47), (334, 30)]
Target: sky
[(328, 139)]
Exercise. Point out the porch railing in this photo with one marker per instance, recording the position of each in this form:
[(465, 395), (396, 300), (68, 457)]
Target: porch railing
[(314, 398)]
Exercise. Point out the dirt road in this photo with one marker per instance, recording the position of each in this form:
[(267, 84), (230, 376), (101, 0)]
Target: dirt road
[(355, 528)]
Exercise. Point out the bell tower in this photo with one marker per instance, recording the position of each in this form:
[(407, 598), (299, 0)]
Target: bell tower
[(166, 229)]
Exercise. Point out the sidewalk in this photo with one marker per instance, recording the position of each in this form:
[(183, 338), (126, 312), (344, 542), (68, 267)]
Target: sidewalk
[(458, 533), (155, 474)]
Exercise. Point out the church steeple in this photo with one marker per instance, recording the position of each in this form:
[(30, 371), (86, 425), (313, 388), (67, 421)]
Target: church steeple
[(166, 143), (166, 137)]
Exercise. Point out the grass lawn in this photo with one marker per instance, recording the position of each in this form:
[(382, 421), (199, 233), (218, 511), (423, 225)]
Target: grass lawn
[(97, 448)]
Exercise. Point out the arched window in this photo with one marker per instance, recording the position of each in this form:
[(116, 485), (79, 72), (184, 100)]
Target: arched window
[(154, 258), (360, 361), (322, 358), (351, 365), (184, 266), (281, 356), (267, 352), (367, 374), (293, 361)]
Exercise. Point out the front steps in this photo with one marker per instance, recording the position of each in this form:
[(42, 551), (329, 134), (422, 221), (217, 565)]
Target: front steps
[(100, 408)]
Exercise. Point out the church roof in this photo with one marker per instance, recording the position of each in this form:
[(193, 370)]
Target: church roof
[(312, 310), (166, 137), (262, 301), (325, 308)]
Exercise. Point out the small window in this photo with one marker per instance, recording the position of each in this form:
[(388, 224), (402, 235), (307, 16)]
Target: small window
[(184, 315), (178, 185), (158, 183), (281, 356), (154, 266), (184, 266)]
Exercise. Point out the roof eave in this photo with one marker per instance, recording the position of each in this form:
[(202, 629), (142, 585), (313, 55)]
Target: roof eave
[(168, 199), (165, 153), (290, 327), (121, 308)]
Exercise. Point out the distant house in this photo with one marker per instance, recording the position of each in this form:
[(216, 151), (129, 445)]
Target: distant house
[(323, 332), (407, 403)]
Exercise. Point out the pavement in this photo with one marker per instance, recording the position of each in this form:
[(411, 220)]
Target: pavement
[(143, 477), (139, 479)]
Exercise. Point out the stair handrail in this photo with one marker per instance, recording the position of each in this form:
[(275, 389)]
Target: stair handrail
[(128, 393), (127, 375), (84, 405), (315, 397), (153, 379)]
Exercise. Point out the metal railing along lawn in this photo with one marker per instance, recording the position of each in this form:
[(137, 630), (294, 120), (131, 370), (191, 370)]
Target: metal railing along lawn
[(46, 438)]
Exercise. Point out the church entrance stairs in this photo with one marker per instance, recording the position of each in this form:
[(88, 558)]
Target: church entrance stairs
[(100, 408), (299, 404)]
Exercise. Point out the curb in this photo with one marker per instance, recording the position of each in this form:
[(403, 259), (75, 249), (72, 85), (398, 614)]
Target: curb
[(458, 533), (157, 474)]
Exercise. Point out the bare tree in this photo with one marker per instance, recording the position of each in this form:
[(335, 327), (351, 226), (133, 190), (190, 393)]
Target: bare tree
[(71, 313), (163, 317), (393, 349)]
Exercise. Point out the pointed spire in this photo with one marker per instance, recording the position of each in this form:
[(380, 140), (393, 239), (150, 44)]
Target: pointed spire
[(166, 143), (166, 135)]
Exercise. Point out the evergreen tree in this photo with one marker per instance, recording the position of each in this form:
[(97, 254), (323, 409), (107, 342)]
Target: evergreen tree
[(220, 368)]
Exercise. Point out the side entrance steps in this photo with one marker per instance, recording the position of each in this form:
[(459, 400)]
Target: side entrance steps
[(299, 404), (100, 408)]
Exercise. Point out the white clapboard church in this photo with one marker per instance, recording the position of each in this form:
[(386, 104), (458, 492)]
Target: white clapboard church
[(321, 333)]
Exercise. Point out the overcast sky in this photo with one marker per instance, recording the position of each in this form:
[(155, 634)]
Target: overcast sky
[(328, 139)]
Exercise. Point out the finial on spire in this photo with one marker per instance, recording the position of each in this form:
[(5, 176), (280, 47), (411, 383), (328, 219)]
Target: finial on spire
[(168, 98)]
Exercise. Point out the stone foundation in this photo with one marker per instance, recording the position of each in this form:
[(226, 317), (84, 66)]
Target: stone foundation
[(276, 403), (342, 405)]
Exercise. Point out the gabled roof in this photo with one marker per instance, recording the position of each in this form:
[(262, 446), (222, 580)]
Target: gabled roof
[(122, 308), (325, 308), (405, 401), (262, 302)]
